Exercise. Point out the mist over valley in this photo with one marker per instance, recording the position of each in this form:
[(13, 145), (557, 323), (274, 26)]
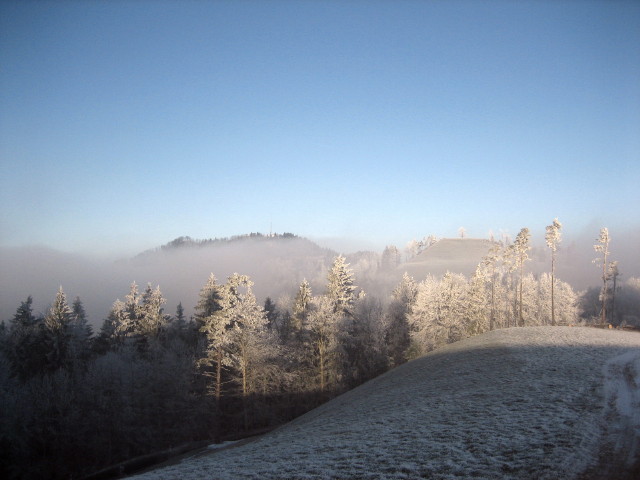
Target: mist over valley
[(276, 264)]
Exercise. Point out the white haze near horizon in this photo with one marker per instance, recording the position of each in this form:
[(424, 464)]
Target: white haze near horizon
[(99, 281)]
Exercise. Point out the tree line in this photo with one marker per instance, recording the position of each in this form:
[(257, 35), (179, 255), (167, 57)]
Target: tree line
[(75, 401)]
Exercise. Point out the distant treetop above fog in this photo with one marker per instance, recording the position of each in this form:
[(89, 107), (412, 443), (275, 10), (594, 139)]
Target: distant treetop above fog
[(187, 241)]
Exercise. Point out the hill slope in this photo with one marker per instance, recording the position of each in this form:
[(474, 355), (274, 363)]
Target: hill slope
[(542, 402), (458, 255)]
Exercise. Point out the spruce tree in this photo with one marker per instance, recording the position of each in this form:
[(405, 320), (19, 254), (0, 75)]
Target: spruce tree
[(397, 335), (81, 333), (180, 318), (57, 323), (24, 343), (301, 305), (340, 287), (214, 325), (152, 318)]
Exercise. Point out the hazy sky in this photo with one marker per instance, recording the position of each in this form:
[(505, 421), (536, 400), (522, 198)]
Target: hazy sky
[(126, 124)]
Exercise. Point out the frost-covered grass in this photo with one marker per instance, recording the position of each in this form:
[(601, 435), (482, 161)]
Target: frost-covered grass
[(542, 402)]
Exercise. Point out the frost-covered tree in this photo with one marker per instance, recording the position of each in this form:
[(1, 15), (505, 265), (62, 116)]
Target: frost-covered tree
[(566, 304), (437, 317), (124, 318), (406, 291), (602, 248), (273, 316), (340, 287), (301, 305), (553, 238), (214, 324), (323, 330), (133, 309), (209, 301), (521, 248), (510, 282), (391, 258), (364, 342), (490, 270), (412, 249), (81, 332), (152, 318), (247, 346), (137, 319), (534, 303), (397, 335), (118, 323), (57, 323), (477, 314)]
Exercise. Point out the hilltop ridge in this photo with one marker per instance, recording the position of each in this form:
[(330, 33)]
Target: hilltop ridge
[(457, 255)]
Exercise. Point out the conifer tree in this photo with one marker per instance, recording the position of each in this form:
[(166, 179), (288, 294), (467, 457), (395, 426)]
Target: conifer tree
[(214, 325), (25, 345), (614, 273), (133, 310), (553, 238), (489, 265), (180, 319), (397, 336), (301, 305), (124, 318), (57, 325), (248, 322), (81, 332), (271, 311), (602, 247), (406, 291), (476, 304), (390, 258), (521, 248), (323, 324), (117, 325), (152, 318), (340, 289)]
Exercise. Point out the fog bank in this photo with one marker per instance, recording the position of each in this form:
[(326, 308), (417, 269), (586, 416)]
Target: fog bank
[(276, 266)]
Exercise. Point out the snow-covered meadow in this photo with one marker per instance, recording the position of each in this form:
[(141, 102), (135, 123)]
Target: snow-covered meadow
[(520, 403)]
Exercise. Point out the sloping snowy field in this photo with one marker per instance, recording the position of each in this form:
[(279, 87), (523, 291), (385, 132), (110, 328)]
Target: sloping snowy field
[(522, 403)]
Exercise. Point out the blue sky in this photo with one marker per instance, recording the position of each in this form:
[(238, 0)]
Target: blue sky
[(126, 124)]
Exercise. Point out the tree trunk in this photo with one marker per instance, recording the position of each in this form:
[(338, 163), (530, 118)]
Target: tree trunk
[(613, 300), (520, 318), (553, 306), (321, 354), (604, 289), (493, 302), (217, 434), (245, 405)]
